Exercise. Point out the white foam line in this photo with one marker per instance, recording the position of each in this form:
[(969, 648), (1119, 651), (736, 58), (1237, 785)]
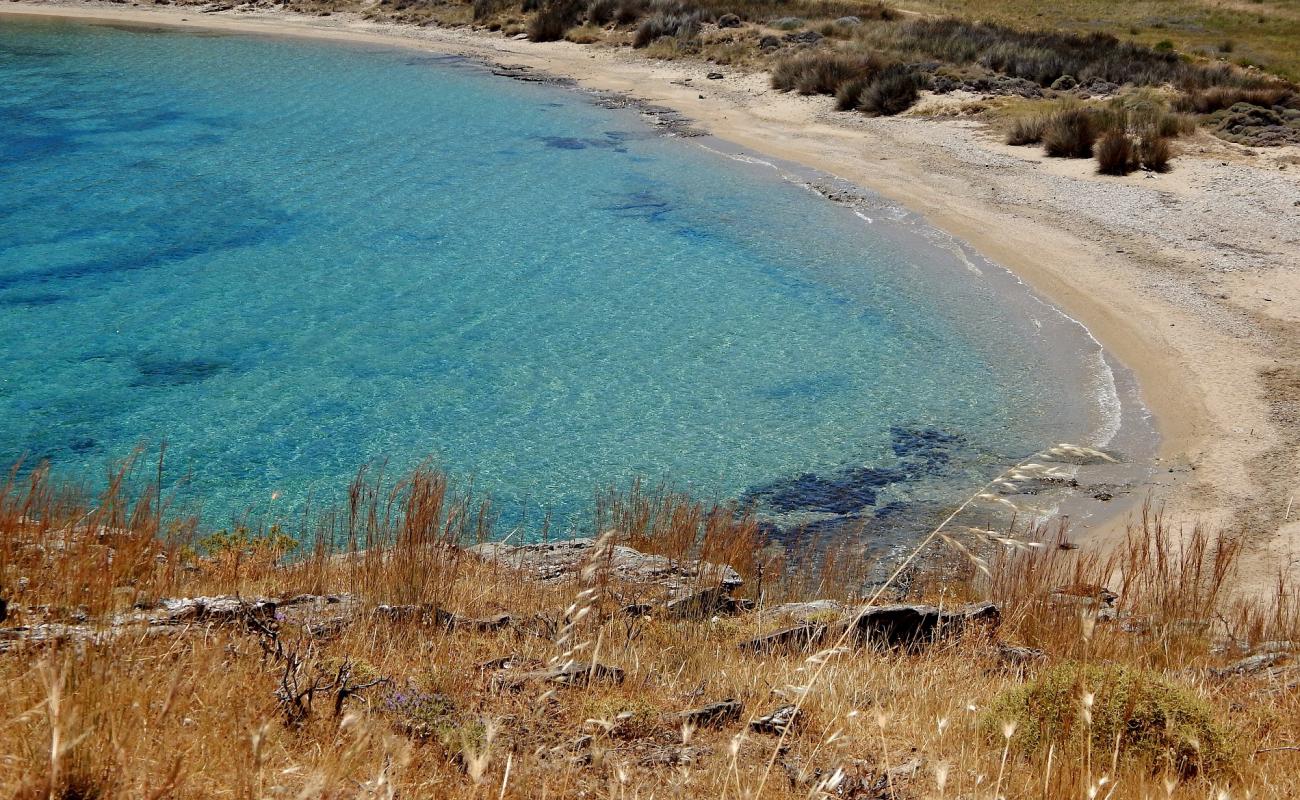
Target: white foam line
[(744, 159)]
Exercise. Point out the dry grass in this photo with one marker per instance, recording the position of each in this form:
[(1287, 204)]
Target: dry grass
[(194, 713), (1262, 32)]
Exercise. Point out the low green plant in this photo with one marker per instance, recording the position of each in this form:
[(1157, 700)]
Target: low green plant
[(893, 91), (273, 542), (1109, 709), (823, 71)]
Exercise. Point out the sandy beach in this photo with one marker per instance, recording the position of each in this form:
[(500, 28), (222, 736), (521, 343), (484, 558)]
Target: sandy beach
[(1190, 279)]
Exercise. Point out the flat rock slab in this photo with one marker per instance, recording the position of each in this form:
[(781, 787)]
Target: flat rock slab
[(574, 673), (562, 561), (913, 625), (713, 714)]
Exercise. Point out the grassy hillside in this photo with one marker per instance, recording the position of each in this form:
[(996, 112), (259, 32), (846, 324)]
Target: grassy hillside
[(423, 674), (1264, 33)]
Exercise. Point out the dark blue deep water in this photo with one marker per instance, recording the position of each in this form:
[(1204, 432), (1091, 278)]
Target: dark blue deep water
[(288, 259)]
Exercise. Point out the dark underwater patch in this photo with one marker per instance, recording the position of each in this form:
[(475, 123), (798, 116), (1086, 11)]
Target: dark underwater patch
[(646, 205), (852, 491), (610, 141), (565, 143), (156, 371), (32, 300), (814, 387)]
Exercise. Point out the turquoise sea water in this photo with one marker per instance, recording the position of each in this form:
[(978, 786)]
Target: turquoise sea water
[(289, 258)]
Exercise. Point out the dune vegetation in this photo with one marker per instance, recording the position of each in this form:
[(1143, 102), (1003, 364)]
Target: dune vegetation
[(374, 653), (995, 61)]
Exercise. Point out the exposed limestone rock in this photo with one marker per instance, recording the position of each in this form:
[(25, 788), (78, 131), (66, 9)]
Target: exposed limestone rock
[(574, 673), (713, 714), (806, 611), (559, 561), (1014, 656), (320, 616), (778, 722)]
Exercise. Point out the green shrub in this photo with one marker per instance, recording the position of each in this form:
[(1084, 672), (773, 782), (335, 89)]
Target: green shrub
[(849, 94), (1116, 154), (1070, 133), (893, 91), (622, 12), (1158, 723), (273, 543), (821, 71), (681, 25), (1217, 98), (553, 20)]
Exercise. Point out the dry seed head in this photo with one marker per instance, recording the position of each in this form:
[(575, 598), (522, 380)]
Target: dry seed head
[(1008, 729), (836, 778), (941, 775)]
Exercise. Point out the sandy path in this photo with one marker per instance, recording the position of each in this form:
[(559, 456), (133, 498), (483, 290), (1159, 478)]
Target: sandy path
[(1191, 279)]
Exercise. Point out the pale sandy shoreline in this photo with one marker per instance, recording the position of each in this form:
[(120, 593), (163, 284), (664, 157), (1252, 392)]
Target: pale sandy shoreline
[(1191, 279)]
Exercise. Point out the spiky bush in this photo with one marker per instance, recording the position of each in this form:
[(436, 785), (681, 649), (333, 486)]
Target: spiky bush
[(1155, 152), (893, 91), (682, 25), (1070, 133), (1027, 130), (1116, 154), (849, 95), (622, 12), (554, 18), (1107, 706), (822, 71)]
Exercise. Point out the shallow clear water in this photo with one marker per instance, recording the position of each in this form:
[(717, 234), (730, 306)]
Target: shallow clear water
[(290, 258)]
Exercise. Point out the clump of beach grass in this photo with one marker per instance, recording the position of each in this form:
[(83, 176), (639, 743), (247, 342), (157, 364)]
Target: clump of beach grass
[(1116, 153), (677, 24), (1027, 130), (1070, 133), (894, 90), (1155, 152), (823, 71)]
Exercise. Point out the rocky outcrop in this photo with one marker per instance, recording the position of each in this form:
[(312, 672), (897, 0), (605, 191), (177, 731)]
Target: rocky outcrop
[(893, 626), (563, 561), (713, 714), (777, 722)]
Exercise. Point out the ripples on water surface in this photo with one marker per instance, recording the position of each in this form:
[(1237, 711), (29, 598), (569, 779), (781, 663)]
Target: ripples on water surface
[(288, 258)]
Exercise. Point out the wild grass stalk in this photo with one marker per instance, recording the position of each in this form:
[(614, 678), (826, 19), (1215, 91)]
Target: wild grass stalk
[(190, 710)]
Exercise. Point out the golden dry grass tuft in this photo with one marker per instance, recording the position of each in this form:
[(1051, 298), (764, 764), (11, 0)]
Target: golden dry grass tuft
[(388, 704)]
